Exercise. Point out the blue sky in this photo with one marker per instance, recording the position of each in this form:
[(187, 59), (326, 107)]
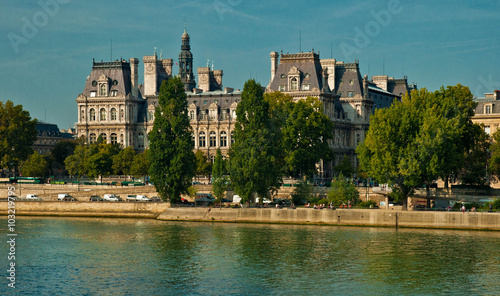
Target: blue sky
[(46, 55)]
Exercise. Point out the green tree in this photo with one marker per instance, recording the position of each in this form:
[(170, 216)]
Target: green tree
[(171, 149), (302, 193), (203, 166), (494, 161), (254, 158), (122, 162), (76, 163), (419, 139), (343, 192), (219, 183), (100, 162), (305, 137), (17, 134), (34, 166), (476, 160), (345, 167), (140, 165), (61, 151)]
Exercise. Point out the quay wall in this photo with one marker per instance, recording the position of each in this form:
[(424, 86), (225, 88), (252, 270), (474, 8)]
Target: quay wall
[(358, 217), (86, 209), (352, 217)]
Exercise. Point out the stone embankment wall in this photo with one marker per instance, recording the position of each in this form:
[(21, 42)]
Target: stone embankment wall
[(373, 217), (87, 209)]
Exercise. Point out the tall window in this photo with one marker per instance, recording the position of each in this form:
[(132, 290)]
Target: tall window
[(223, 139), (191, 115), (488, 109), (104, 137), (224, 114), (203, 115), (487, 129), (103, 90), (113, 114), (102, 114), (193, 140), (232, 137), (93, 138), (201, 139), (213, 139), (92, 114), (114, 138), (294, 84)]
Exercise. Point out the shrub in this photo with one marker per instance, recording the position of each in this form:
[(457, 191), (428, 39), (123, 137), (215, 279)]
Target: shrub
[(496, 204), (323, 201), (367, 204), (302, 193)]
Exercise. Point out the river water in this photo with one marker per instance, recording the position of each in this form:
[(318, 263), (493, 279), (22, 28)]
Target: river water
[(93, 256)]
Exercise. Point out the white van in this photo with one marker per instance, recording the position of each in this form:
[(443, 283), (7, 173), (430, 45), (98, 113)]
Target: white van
[(142, 198), (61, 196), (111, 197), (32, 197)]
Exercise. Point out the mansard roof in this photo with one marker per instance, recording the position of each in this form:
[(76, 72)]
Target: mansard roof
[(306, 65), (348, 78), (117, 75)]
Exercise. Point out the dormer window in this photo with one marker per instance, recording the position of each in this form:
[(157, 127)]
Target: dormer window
[(103, 90), (294, 83), (114, 93), (282, 88), (306, 87), (487, 109), (92, 94), (191, 115)]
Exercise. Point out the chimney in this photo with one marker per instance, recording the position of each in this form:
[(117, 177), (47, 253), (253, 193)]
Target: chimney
[(167, 65), (150, 75), (496, 94), (218, 79), (274, 64), (204, 78), (134, 76)]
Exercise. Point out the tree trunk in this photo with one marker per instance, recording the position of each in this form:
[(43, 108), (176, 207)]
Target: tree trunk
[(427, 195)]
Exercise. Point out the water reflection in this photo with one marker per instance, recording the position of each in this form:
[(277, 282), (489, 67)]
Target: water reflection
[(63, 256)]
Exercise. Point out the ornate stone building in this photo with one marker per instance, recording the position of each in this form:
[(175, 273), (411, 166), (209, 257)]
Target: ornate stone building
[(488, 111), (113, 105), (348, 98)]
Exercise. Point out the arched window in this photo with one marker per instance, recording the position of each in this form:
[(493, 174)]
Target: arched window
[(358, 139), (92, 114), (294, 84), (114, 138), (212, 158), (213, 139), (223, 139), (93, 138), (104, 137), (202, 139), (113, 114), (102, 114), (103, 92), (140, 140)]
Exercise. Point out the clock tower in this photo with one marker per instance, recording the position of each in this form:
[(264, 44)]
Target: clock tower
[(186, 63)]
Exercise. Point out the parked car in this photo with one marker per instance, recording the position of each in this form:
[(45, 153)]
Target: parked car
[(204, 197), (32, 197), (111, 197), (142, 198), (236, 198), (264, 200), (131, 197), (62, 196), (69, 198), (155, 199), (95, 198)]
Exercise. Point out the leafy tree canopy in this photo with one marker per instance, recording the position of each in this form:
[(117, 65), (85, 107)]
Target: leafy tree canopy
[(34, 166), (171, 149)]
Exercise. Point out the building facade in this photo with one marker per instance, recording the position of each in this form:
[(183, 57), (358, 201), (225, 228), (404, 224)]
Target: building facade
[(48, 135), (488, 112), (113, 105)]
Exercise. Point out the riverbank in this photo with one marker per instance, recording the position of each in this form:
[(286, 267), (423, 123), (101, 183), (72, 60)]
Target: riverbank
[(303, 216)]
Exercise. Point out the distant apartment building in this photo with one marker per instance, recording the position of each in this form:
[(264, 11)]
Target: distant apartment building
[(48, 135)]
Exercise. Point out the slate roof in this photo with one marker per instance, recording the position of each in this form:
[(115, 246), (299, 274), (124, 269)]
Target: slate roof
[(306, 63), (118, 73), (348, 78)]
